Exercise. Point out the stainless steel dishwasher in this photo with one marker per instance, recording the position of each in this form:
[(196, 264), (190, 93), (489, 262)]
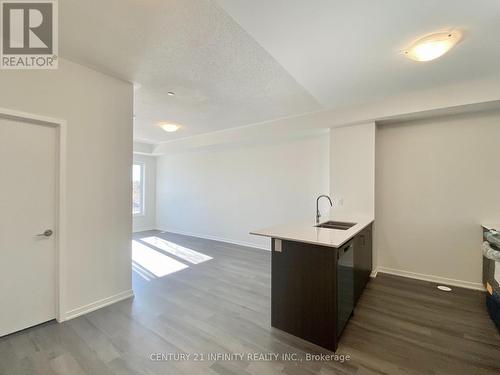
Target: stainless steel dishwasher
[(345, 285)]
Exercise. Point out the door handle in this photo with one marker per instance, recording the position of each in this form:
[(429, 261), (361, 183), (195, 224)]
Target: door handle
[(47, 233)]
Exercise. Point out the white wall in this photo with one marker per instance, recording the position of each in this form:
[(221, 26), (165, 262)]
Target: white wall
[(436, 182), (98, 111), (226, 191), (148, 220), (352, 169), (143, 148)]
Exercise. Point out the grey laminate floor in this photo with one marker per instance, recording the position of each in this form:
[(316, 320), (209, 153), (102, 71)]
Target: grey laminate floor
[(222, 305)]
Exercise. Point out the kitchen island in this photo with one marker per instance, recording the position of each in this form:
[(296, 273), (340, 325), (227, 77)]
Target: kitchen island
[(318, 275)]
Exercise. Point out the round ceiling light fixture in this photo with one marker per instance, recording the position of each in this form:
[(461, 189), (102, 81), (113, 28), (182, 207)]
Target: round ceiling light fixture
[(433, 46), (171, 93), (169, 127)]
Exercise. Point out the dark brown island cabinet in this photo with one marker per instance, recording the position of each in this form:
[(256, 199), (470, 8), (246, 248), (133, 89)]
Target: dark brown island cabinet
[(315, 288)]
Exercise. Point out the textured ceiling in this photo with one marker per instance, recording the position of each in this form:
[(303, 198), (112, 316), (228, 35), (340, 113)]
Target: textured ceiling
[(347, 53), (240, 62), (222, 77)]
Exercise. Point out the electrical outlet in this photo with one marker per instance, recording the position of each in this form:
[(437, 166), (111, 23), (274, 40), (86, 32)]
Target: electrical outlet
[(278, 245)]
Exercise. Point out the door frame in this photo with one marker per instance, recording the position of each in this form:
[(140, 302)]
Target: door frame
[(60, 243)]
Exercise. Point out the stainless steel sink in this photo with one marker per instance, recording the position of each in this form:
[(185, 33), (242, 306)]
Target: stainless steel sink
[(340, 225)]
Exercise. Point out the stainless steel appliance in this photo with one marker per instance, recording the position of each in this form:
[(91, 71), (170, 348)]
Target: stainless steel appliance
[(345, 285)]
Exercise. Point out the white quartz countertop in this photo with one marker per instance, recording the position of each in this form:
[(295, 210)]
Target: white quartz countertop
[(307, 232), (491, 226)]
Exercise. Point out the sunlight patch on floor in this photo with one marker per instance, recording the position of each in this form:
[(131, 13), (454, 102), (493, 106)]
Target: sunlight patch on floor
[(179, 251), (140, 271), (151, 261)]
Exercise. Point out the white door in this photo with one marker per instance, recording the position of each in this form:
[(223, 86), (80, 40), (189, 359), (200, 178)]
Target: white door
[(27, 210)]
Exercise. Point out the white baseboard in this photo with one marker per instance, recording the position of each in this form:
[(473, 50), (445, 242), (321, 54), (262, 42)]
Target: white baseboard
[(142, 229), (220, 239), (391, 271), (432, 278), (97, 305)]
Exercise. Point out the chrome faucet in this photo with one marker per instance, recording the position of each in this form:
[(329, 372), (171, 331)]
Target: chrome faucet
[(318, 214)]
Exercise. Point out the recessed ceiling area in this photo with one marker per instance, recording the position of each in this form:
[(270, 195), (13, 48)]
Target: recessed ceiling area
[(229, 68)]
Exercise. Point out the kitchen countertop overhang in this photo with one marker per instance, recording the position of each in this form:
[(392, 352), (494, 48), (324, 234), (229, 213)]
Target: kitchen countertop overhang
[(307, 232)]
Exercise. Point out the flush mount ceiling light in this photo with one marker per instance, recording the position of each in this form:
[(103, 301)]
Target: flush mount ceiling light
[(169, 127), (171, 93), (433, 46)]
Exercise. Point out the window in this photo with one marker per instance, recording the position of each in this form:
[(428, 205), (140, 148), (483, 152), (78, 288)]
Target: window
[(138, 189)]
